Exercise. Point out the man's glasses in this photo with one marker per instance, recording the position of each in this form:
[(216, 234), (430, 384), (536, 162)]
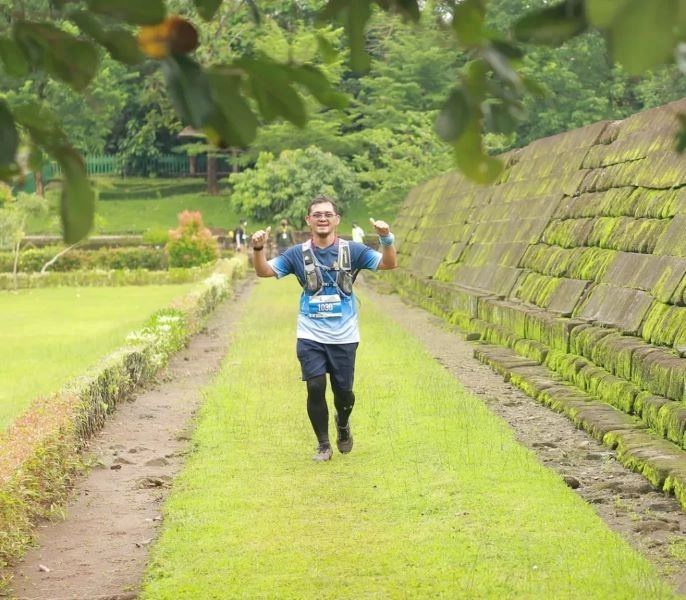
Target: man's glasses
[(326, 215)]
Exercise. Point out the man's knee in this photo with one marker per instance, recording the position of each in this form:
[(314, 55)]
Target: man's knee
[(316, 387), (344, 400)]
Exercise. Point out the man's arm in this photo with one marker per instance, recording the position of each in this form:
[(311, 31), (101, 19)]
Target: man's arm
[(259, 257), (389, 257)]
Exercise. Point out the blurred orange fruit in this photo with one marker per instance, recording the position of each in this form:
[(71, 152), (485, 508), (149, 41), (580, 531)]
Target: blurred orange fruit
[(174, 35)]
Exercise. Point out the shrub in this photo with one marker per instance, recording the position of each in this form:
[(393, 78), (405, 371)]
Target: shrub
[(128, 258), (191, 244), (31, 260), (156, 237)]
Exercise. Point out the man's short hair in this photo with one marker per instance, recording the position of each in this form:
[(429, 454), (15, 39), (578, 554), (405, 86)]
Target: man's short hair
[(322, 200)]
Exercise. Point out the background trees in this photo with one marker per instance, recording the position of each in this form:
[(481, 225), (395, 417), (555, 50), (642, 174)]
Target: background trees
[(370, 80)]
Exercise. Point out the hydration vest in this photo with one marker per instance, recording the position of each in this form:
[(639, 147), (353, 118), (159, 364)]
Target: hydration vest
[(345, 276)]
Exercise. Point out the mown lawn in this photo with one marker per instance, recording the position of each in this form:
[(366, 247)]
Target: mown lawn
[(52, 335), (143, 209), (436, 500)]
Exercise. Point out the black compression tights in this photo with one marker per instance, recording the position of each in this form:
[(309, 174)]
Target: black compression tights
[(344, 402), (318, 411)]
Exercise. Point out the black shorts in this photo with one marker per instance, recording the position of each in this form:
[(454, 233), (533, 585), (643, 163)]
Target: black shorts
[(338, 360)]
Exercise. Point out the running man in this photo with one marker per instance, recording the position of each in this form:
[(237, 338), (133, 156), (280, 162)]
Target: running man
[(327, 329)]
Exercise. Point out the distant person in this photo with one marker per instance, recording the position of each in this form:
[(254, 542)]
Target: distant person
[(358, 233), (240, 236), (284, 235)]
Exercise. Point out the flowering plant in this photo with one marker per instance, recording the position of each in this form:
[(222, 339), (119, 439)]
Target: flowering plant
[(191, 244)]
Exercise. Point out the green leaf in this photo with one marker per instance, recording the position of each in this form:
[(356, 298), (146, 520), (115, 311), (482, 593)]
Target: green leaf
[(602, 13), (238, 124), (59, 53), (9, 138), (507, 49), (355, 14), (454, 116), (408, 9), (87, 23), (36, 158), (681, 134), (470, 157), (500, 64), (189, 89), (534, 88), (474, 75), (134, 12), (40, 122), (552, 25), (319, 86), (638, 47), (332, 10), (468, 21), (358, 14), (77, 203), (254, 11), (123, 46), (207, 8), (328, 53), (501, 117), (13, 57), (119, 42), (270, 84)]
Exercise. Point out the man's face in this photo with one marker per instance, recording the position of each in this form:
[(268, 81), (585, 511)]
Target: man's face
[(322, 219)]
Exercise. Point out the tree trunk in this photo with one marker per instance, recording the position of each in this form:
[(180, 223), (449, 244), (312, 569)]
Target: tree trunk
[(234, 161), (15, 267), (192, 165), (40, 188), (212, 180)]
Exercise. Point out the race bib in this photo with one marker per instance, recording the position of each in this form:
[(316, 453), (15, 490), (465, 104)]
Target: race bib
[(325, 306)]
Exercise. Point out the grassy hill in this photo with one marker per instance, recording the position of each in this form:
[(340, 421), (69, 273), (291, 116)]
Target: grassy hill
[(137, 205)]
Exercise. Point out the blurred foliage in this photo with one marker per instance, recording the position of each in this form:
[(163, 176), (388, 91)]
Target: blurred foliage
[(229, 80)]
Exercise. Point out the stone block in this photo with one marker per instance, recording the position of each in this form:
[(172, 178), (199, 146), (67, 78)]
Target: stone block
[(659, 275), (617, 307), (672, 241)]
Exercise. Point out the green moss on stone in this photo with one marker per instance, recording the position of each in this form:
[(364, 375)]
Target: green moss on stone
[(671, 422), (654, 319), (591, 263)]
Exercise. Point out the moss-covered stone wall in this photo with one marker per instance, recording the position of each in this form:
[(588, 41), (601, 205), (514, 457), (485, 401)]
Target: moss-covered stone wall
[(571, 272)]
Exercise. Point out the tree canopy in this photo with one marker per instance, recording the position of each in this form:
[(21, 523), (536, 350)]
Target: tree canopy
[(220, 79)]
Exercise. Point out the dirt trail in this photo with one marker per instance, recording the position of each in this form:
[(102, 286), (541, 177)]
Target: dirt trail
[(99, 551)]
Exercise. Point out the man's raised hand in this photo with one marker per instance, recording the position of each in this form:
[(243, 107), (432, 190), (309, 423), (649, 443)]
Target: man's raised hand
[(381, 227), (259, 238)]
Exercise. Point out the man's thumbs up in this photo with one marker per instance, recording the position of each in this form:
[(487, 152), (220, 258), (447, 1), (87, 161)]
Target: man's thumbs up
[(381, 227)]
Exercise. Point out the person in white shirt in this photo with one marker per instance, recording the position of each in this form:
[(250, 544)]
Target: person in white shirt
[(358, 233)]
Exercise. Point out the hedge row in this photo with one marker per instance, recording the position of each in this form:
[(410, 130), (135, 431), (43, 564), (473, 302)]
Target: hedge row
[(40, 452), (111, 278), (32, 260)]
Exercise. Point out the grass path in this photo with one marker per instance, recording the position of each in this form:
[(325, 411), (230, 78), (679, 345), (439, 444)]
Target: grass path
[(437, 500)]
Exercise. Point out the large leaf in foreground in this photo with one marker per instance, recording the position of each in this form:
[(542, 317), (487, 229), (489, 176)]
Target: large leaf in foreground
[(77, 207), (9, 138)]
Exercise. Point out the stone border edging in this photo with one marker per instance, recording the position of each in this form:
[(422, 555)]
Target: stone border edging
[(638, 449), (42, 448)]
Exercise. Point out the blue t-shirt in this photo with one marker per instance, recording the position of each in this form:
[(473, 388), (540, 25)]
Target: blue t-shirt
[(328, 316)]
